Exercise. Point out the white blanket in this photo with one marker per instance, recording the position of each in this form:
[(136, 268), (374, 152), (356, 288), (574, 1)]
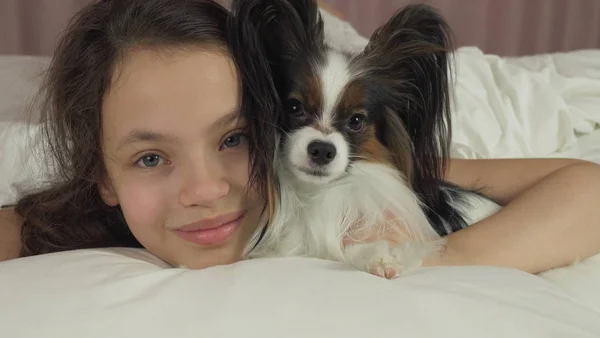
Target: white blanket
[(525, 107)]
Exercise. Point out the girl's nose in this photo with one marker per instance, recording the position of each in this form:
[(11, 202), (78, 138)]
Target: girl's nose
[(204, 185)]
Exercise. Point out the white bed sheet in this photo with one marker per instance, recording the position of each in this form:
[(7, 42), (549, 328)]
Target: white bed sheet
[(589, 146)]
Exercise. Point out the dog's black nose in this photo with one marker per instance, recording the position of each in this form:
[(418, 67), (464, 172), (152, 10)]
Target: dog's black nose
[(321, 153)]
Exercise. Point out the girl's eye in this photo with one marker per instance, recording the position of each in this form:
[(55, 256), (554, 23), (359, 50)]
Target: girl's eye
[(150, 161), (234, 141)]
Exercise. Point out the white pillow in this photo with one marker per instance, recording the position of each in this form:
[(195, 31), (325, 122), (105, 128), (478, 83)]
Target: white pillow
[(22, 165), (20, 77), (129, 293)]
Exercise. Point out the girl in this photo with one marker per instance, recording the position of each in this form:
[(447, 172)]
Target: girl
[(144, 124)]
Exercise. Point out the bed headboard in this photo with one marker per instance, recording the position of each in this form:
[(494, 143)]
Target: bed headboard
[(507, 27)]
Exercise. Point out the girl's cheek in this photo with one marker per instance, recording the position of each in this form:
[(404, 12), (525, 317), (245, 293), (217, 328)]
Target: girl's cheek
[(144, 201), (238, 167)]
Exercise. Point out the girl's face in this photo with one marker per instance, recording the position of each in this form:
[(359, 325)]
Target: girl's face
[(177, 156)]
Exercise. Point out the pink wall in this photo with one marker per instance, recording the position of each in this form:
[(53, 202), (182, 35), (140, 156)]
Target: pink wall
[(504, 27), (25, 30)]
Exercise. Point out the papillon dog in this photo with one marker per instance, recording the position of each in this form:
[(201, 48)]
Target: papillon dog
[(362, 140)]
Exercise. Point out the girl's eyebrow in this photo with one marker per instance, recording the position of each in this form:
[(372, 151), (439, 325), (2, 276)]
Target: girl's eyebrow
[(227, 119), (141, 135), (137, 135)]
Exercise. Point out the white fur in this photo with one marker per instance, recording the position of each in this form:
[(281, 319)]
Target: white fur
[(334, 77), (313, 219), (479, 208), (297, 154)]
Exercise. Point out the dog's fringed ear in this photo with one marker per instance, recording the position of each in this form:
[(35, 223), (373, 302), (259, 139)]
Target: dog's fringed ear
[(399, 144), (409, 57), (265, 37), (285, 29), (259, 102)]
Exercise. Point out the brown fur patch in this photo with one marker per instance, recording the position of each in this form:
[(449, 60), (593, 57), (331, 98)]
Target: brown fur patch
[(353, 98), (397, 154), (397, 151), (314, 93), (371, 150), (309, 92)]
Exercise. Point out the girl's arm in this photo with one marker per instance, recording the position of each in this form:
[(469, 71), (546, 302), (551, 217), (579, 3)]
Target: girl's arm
[(551, 215), (10, 234)]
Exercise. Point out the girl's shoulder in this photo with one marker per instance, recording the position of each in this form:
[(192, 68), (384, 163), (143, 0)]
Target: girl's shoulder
[(10, 234)]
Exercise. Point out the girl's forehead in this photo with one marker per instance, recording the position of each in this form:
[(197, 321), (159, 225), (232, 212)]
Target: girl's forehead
[(171, 91), (141, 68)]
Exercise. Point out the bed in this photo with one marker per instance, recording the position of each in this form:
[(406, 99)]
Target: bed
[(535, 106)]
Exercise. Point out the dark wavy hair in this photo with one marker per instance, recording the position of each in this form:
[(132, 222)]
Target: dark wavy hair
[(68, 212)]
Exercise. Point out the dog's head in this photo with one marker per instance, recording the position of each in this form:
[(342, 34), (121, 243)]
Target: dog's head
[(388, 104)]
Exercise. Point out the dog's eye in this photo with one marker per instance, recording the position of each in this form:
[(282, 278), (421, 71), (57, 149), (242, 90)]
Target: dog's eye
[(356, 122), (294, 107)]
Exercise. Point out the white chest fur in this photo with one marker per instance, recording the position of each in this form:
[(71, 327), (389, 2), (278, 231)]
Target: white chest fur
[(313, 219)]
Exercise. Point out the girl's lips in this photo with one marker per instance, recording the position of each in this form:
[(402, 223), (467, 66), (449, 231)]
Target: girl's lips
[(211, 232)]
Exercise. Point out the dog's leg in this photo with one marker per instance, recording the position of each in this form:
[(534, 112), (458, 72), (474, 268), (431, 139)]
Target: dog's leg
[(388, 260), (375, 258)]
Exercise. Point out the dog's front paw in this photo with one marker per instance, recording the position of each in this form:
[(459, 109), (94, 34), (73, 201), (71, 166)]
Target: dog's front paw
[(387, 260), (384, 267), (410, 255), (376, 258)]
